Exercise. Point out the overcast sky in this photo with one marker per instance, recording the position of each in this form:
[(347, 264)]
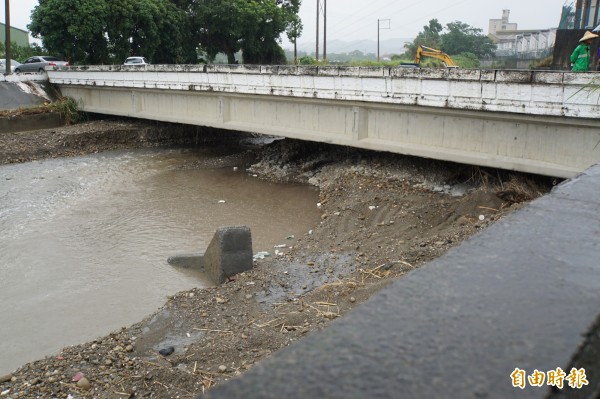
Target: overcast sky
[(357, 19)]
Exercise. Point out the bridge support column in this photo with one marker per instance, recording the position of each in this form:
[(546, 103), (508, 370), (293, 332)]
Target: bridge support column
[(360, 126), (224, 110)]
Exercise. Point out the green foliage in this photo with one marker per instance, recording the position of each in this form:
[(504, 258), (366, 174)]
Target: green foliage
[(265, 21), (72, 29), (68, 109), (252, 26), (462, 38), (21, 53), (467, 60), (457, 39), (105, 31), (430, 37), (307, 60), (166, 31)]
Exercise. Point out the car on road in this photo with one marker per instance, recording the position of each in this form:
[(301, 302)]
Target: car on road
[(40, 63), (136, 61), (13, 65)]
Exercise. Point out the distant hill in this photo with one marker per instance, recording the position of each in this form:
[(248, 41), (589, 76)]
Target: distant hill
[(387, 46)]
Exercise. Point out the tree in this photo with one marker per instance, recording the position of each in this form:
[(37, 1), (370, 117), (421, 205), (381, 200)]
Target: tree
[(252, 26), (267, 21), (430, 37), (73, 29), (165, 31), (21, 53), (294, 31), (219, 26), (459, 38), (106, 31), (467, 60), (463, 38)]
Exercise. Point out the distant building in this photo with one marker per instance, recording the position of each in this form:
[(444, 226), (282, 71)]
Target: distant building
[(499, 25), (512, 42), (20, 36)]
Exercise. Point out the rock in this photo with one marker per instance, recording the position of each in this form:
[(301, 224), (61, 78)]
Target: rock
[(129, 348), (5, 378), (222, 368), (167, 351), (352, 299), (84, 384), (329, 315)]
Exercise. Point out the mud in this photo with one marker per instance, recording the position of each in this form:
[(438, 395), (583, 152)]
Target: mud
[(383, 215)]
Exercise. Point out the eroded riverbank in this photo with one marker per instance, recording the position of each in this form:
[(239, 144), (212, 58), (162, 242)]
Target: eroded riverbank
[(382, 215)]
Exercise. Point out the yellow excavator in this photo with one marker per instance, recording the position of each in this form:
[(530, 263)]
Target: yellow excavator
[(423, 51)]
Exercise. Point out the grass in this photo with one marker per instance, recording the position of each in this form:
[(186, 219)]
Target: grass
[(67, 107)]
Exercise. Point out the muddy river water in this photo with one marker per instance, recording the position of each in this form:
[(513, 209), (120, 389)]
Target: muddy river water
[(84, 241)]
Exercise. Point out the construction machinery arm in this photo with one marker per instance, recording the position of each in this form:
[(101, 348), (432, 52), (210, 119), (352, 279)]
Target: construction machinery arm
[(423, 51)]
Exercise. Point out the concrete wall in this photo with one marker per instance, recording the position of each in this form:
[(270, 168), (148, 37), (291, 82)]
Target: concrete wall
[(524, 92), (19, 92), (532, 121), (22, 123)]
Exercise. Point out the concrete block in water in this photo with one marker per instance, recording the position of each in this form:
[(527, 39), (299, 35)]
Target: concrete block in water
[(187, 261), (229, 253)]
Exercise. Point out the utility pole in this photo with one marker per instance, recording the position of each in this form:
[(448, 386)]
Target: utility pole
[(378, 40), (379, 21), (325, 31), (7, 13), (317, 49)]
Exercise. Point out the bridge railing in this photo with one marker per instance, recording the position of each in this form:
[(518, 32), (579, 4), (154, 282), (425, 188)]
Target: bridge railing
[(548, 93)]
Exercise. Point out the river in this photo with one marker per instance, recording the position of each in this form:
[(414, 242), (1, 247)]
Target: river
[(84, 241)]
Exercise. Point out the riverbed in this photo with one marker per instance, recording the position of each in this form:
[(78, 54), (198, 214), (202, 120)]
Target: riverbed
[(84, 240)]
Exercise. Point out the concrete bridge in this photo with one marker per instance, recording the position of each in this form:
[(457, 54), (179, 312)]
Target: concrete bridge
[(532, 121)]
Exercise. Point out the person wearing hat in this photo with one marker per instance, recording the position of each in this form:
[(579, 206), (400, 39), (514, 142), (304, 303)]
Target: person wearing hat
[(580, 59)]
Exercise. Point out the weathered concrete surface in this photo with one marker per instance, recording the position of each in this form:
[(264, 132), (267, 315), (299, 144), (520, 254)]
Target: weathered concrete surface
[(229, 253), (21, 94), (521, 294), (26, 122), (548, 93), (187, 261)]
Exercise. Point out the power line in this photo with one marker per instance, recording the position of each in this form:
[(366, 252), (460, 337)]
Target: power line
[(365, 26), (362, 17)]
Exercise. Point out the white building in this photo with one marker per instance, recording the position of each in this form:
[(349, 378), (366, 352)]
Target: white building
[(499, 25), (512, 42)]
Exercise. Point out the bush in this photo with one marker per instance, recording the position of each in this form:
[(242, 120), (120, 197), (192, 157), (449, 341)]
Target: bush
[(68, 109)]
